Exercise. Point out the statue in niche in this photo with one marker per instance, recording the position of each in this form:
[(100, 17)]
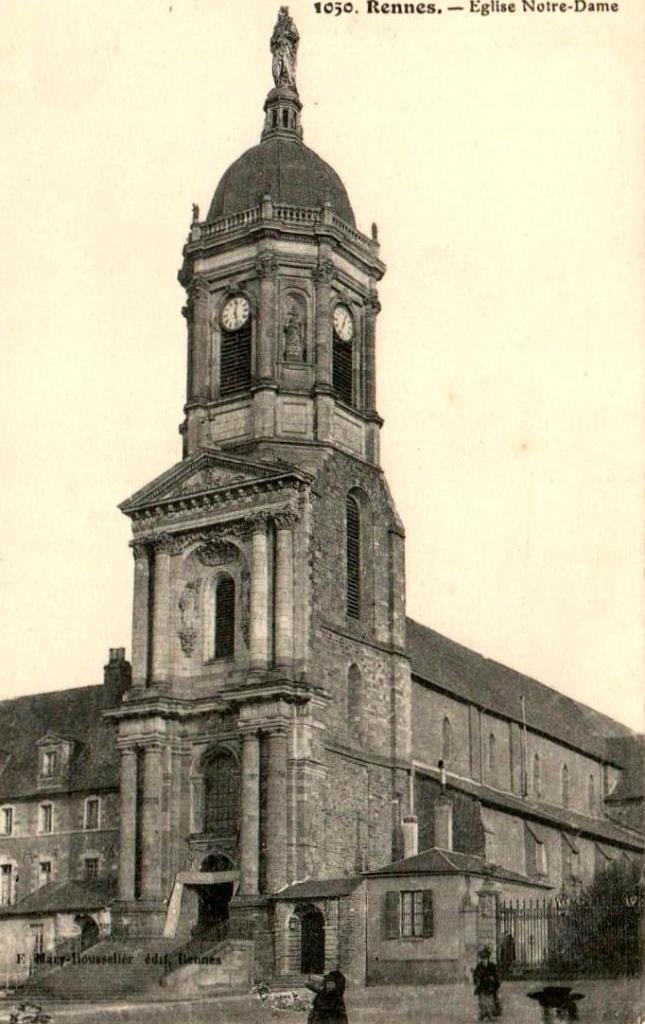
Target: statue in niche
[(294, 335), (189, 616), (284, 50)]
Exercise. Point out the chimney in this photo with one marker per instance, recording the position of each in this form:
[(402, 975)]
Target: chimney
[(410, 828), (117, 677), (443, 824)]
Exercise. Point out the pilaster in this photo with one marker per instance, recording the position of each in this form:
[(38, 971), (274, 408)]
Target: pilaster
[(276, 840), (127, 823), (250, 816), (141, 615), (259, 625), (161, 613)]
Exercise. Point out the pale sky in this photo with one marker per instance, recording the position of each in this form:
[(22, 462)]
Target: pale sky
[(501, 158)]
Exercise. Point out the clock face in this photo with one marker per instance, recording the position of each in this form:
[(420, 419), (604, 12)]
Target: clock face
[(235, 313), (343, 323)]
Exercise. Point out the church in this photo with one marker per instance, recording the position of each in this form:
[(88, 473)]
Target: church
[(288, 770)]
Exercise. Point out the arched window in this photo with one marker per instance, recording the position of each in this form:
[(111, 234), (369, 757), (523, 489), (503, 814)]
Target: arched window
[(446, 739), (343, 355), (353, 522), (592, 793), (565, 786), (224, 617), (537, 776), (491, 753), (235, 358), (221, 794), (355, 702)]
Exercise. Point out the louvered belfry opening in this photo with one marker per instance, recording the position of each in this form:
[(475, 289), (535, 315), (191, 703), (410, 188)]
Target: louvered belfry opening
[(235, 361), (342, 370), (225, 617), (353, 558)]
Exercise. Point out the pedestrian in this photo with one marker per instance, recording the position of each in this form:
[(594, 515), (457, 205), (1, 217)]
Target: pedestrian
[(328, 1006), (486, 981)]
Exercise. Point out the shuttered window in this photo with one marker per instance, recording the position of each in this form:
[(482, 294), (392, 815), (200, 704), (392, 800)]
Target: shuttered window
[(342, 369), (235, 360), (221, 795), (392, 900), (225, 617), (353, 558)]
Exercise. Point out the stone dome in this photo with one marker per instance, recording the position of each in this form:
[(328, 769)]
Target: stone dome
[(289, 171)]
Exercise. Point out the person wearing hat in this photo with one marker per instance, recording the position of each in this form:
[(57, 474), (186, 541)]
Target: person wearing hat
[(328, 1006), (486, 981)]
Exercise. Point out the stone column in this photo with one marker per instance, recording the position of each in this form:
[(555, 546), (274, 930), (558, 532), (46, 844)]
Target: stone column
[(250, 819), (284, 609), (127, 823), (199, 313), (276, 839), (266, 269), (151, 823), (372, 309), (141, 615), (161, 613), (259, 625), (323, 276)]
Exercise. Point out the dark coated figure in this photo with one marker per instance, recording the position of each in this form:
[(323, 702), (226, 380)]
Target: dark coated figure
[(486, 982), (328, 1006)]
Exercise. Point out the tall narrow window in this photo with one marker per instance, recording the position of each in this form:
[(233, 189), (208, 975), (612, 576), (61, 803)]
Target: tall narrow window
[(225, 617), (235, 360), (46, 818), (355, 703), (6, 885), (537, 776), (221, 795), (92, 812), (44, 872), (50, 762), (492, 763), (592, 793), (565, 786), (446, 739), (343, 354), (353, 516), (7, 821)]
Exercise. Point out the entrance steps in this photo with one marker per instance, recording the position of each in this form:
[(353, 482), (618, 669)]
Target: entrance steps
[(107, 970), (203, 968)]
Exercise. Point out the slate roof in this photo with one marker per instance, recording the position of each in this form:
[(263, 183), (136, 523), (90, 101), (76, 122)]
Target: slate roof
[(291, 172), (71, 896), (630, 751), (496, 688), (556, 817), (319, 888), (450, 862), (75, 714)]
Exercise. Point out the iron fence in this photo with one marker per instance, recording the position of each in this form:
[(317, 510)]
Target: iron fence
[(569, 936)]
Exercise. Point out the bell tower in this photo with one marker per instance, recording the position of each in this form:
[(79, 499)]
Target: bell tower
[(267, 728), (282, 300)]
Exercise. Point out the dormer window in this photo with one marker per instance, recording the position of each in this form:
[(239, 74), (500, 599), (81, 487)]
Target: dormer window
[(50, 763), (6, 821)]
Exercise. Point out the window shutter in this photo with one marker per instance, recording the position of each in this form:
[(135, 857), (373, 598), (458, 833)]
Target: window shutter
[(353, 558), (391, 915), (428, 912), (342, 369), (225, 617), (235, 361)]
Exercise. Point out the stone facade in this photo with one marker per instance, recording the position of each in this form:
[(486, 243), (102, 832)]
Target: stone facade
[(283, 721)]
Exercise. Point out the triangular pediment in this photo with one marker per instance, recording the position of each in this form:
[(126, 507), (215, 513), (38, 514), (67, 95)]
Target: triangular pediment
[(203, 473), (53, 739)]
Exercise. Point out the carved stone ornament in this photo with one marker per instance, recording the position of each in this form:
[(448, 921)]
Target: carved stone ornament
[(324, 272), (266, 266), (198, 290), (373, 306), (189, 616), (285, 519), (217, 552), (140, 550), (208, 479)]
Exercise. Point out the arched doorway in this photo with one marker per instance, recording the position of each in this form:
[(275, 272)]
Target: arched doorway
[(214, 898), (312, 940), (89, 930)]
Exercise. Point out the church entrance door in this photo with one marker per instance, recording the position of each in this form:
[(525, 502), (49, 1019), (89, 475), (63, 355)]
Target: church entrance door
[(312, 955), (214, 899)]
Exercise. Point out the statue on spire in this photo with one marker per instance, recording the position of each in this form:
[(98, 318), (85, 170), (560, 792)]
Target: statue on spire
[(284, 49)]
